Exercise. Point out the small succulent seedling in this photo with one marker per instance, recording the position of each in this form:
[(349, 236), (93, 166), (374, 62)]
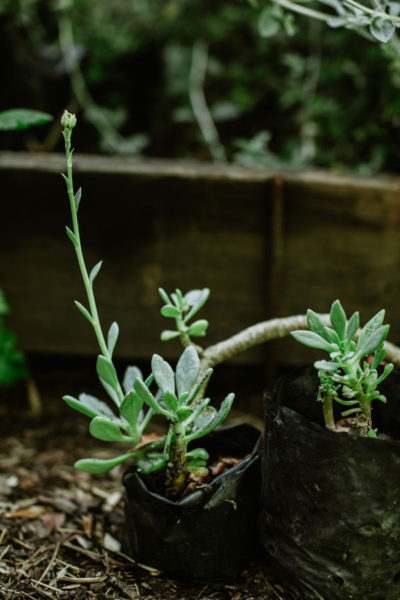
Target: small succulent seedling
[(177, 395), (348, 377)]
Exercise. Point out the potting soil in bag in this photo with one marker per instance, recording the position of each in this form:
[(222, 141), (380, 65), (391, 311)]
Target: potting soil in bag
[(330, 507)]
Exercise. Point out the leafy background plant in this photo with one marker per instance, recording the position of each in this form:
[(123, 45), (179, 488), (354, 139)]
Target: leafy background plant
[(12, 360), (322, 97)]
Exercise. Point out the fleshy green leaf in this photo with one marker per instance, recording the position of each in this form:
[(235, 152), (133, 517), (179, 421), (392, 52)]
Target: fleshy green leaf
[(163, 374), (199, 471), (313, 340), (371, 326), (325, 365), (198, 453), (112, 337), (187, 370), (97, 466), (108, 431), (352, 326), (77, 199), (130, 410), (22, 118), (84, 311), (107, 372), (164, 295), (89, 405), (71, 236), (168, 334), (196, 299), (382, 30), (147, 397), (369, 344), (170, 311), (316, 325), (95, 271), (110, 391), (217, 419), (149, 465), (338, 319), (129, 378), (170, 401), (198, 328)]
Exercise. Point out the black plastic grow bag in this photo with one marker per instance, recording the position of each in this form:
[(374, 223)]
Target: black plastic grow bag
[(330, 506), (211, 534)]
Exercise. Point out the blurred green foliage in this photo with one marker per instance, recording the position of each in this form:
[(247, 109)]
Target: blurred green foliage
[(12, 361), (280, 90)]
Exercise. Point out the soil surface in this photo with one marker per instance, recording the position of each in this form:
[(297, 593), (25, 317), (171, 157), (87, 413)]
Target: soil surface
[(61, 530)]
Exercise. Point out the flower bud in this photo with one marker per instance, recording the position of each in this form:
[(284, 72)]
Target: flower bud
[(68, 120)]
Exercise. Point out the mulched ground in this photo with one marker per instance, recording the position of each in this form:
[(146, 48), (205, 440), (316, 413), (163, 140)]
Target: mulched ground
[(61, 529)]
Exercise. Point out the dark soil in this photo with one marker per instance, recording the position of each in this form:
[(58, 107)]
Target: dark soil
[(61, 530)]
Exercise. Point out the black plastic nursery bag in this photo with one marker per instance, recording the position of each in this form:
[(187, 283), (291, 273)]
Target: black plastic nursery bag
[(330, 507), (211, 534)]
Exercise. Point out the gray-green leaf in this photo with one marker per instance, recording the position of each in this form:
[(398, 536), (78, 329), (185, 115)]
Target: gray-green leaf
[(22, 118), (108, 431), (94, 272), (97, 466), (107, 372), (313, 340), (198, 328), (369, 344), (129, 378), (168, 334), (382, 30), (89, 405), (187, 370), (112, 337), (338, 319), (163, 374)]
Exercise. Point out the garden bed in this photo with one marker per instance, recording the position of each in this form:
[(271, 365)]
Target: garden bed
[(61, 529)]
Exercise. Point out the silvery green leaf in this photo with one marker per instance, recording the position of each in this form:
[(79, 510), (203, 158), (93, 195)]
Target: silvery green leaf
[(394, 8), (198, 328), (167, 335), (382, 30), (316, 325), (130, 410), (325, 365), (196, 299), (379, 356), (369, 344), (163, 374), (77, 199), (386, 371), (187, 370), (313, 340), (169, 310), (89, 405), (107, 372), (147, 397), (108, 431), (184, 412), (198, 453), (112, 337), (129, 378), (164, 295), (84, 311), (338, 319), (371, 326), (352, 326), (170, 401), (110, 391), (217, 419), (94, 272), (149, 465), (71, 236), (97, 466)]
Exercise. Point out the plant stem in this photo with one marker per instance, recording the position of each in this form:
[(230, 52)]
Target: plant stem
[(176, 475), (327, 407)]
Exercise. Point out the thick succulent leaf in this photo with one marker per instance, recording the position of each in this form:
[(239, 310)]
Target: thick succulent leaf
[(313, 340), (97, 466), (325, 365), (187, 370), (199, 471), (149, 465), (89, 405), (368, 344), (197, 415), (147, 397), (110, 391), (170, 401), (352, 326), (129, 378), (198, 328), (338, 319), (184, 412), (217, 419), (95, 271), (196, 299), (316, 325), (163, 374), (168, 334), (200, 453), (382, 30), (371, 326), (169, 310), (130, 410), (77, 201), (107, 372), (108, 431), (164, 295), (112, 337), (84, 311), (386, 371)]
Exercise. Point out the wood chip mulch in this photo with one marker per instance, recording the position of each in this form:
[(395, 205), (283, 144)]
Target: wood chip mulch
[(61, 529)]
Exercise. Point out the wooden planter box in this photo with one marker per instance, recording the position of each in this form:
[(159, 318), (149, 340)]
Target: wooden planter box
[(266, 243)]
